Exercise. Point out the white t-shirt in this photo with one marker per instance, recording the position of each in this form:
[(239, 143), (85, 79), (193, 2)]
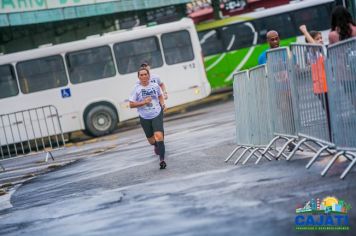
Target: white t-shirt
[(139, 93)]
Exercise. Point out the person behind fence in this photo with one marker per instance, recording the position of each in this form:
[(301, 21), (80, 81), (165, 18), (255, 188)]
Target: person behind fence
[(273, 41), (316, 60), (342, 25), (318, 72), (148, 99), (156, 79)]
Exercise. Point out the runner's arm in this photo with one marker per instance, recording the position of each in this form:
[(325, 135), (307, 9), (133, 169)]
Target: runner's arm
[(140, 104), (162, 86), (161, 101), (164, 90)]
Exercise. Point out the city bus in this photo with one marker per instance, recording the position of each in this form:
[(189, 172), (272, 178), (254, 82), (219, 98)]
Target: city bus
[(233, 44), (89, 81)]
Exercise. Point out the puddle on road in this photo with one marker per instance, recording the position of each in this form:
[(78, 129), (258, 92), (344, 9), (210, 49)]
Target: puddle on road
[(5, 199)]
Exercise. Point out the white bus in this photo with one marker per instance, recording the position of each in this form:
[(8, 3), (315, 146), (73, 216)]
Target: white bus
[(89, 81)]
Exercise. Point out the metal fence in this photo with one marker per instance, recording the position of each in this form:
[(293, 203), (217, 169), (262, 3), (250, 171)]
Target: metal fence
[(279, 84), (260, 97), (310, 87), (242, 113), (310, 99), (253, 127), (28, 131), (306, 99), (342, 100), (342, 90), (280, 100)]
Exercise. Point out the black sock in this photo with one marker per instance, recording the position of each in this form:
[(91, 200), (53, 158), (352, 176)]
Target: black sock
[(161, 150)]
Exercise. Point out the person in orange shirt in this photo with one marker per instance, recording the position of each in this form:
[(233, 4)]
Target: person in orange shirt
[(318, 70)]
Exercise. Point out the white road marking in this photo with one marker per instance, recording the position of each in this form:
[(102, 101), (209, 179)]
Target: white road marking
[(206, 36), (250, 51), (231, 43), (222, 55), (216, 62)]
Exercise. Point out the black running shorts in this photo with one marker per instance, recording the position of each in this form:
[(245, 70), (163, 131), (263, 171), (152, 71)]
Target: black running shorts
[(152, 125)]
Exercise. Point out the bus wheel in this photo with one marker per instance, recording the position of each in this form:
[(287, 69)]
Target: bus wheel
[(100, 120)]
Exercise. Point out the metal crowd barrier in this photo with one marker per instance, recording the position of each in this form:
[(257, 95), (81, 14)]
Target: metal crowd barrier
[(281, 105), (342, 101), (29, 131), (310, 99), (260, 104), (309, 82), (242, 114), (253, 129)]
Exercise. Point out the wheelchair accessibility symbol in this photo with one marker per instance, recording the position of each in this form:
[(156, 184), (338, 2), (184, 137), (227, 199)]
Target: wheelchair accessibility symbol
[(65, 93)]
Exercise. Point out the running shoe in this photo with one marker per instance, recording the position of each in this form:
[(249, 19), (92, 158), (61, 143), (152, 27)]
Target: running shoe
[(162, 165)]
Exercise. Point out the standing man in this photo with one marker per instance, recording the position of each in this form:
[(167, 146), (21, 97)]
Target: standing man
[(155, 79), (273, 41), (147, 98)]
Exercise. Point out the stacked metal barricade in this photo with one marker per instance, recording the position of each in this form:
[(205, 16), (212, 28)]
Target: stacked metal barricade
[(302, 99)]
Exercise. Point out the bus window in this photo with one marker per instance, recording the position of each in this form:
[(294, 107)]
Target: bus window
[(130, 55), (8, 85), (211, 42), (41, 74), (177, 47), (282, 23), (313, 18), (237, 36), (90, 64)]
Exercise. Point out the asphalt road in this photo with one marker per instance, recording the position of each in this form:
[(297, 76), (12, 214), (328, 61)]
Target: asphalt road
[(114, 186)]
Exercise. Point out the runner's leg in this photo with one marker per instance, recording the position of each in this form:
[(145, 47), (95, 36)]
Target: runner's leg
[(160, 143), (157, 125), (148, 129)]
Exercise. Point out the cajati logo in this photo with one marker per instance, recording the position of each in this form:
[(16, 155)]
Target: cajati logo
[(329, 213)]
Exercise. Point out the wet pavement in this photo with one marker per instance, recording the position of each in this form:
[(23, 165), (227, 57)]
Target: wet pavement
[(114, 186)]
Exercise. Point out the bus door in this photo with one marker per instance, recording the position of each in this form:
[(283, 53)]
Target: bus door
[(183, 73)]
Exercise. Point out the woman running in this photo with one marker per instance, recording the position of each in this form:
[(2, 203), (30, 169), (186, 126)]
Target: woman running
[(149, 101), (156, 79)]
